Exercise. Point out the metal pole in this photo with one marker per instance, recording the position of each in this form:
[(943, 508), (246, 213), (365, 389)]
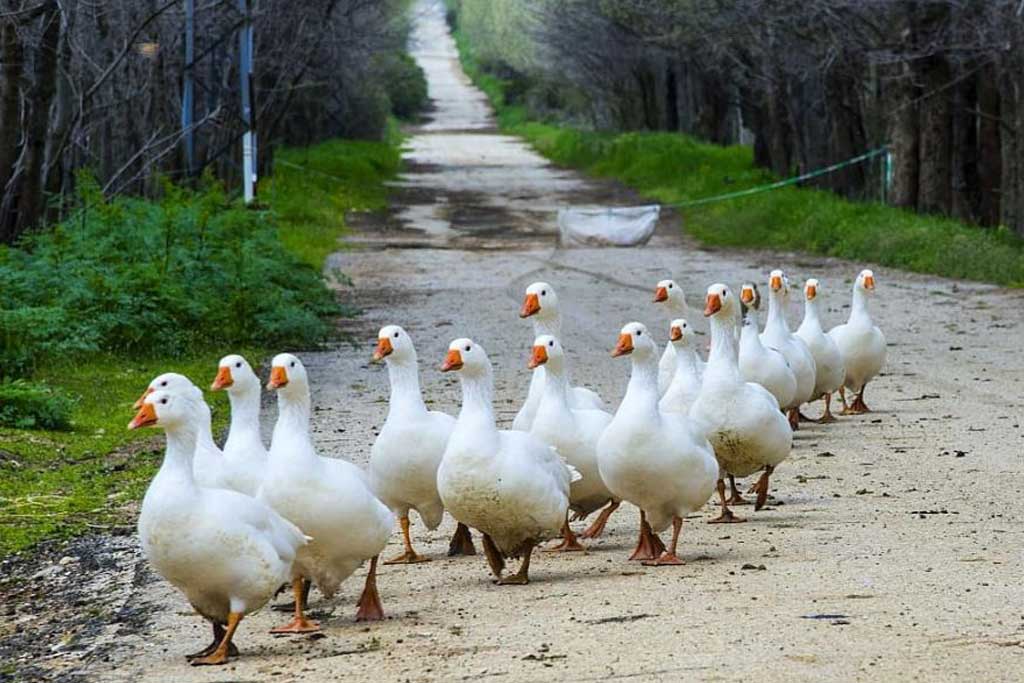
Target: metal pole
[(189, 88), (245, 81)]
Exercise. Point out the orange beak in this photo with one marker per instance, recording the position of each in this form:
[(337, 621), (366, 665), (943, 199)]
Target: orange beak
[(531, 305), (144, 418), (453, 361), (714, 305), (223, 380), (624, 347), (278, 378), (675, 333), (660, 294), (539, 357), (812, 292), (775, 283), (141, 399), (383, 350), (747, 295), (869, 282)]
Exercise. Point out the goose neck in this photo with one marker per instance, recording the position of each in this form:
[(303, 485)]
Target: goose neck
[(859, 309), (723, 357), (245, 414), (556, 387), (811, 313), (176, 469), (642, 391), (477, 412), (776, 313), (292, 423), (548, 324), (406, 397), (204, 435)]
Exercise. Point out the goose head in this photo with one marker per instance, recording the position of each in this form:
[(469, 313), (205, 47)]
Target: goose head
[(235, 375), (811, 288), (778, 283), (720, 303), (750, 296), (635, 340), (169, 381), (547, 351), (865, 281), (669, 292), (288, 375), (466, 357), (393, 344), (681, 333), (540, 301), (162, 408)]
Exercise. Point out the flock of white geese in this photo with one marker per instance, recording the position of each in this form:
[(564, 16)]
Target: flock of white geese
[(230, 527)]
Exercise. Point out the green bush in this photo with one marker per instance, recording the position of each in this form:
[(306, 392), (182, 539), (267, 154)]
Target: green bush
[(192, 270), (406, 85), (25, 405)]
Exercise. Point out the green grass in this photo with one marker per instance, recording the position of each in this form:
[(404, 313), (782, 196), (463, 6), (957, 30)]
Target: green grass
[(672, 167), (57, 484), (314, 187)]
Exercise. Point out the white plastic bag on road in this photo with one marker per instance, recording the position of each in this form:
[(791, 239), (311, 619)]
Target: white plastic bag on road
[(601, 227)]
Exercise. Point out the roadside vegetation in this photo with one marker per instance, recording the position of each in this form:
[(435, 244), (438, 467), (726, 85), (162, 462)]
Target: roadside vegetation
[(674, 167)]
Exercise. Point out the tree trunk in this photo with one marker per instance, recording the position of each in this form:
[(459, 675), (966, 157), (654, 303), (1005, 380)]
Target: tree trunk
[(904, 141), (990, 165), (964, 170), (935, 152), (11, 52)]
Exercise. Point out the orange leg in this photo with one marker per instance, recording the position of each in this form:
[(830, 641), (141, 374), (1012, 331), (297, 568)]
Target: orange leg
[(669, 556), (223, 651), (648, 546), (521, 577), (727, 516), (794, 418), (569, 542), (828, 416), (462, 542), (494, 557), (762, 487), (597, 528), (858, 403), (369, 605), (736, 498), (409, 556), (842, 397), (299, 624)]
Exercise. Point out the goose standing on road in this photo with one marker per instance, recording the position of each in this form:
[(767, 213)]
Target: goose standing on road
[(573, 432), (742, 419), (541, 304), (328, 498), (828, 362), (861, 344), (508, 484), (777, 335), (685, 385), (661, 462), (227, 552), (758, 363), (408, 450)]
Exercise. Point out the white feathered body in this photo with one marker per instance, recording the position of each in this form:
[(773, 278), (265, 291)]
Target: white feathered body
[(828, 361), (862, 349), (766, 366), (579, 397)]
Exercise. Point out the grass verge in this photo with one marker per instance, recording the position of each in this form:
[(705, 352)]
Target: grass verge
[(59, 483), (672, 167)]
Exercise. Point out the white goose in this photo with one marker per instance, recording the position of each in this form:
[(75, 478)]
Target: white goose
[(685, 385), (210, 468), (541, 304), (508, 484), (758, 363), (671, 294), (742, 419), (228, 553), (573, 432), (245, 456), (661, 462), (405, 457), (328, 498), (828, 362), (777, 335), (861, 344)]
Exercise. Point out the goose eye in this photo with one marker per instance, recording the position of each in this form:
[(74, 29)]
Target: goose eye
[(543, 292), (164, 383), (396, 335), (639, 332), (238, 365), (163, 401), (551, 343), (670, 286), (467, 348), (293, 364)]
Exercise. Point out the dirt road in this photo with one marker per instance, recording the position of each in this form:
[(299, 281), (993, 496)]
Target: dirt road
[(892, 550)]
